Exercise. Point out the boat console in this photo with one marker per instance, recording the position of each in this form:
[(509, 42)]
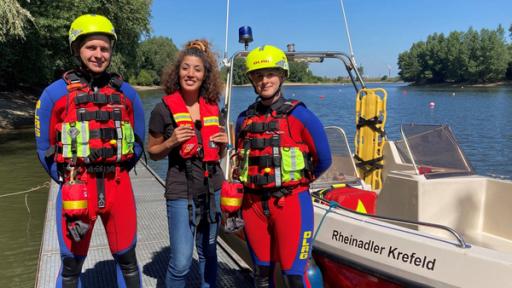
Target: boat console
[(427, 178)]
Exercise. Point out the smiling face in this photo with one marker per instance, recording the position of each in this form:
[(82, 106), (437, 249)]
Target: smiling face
[(192, 73), (267, 81), (96, 52)]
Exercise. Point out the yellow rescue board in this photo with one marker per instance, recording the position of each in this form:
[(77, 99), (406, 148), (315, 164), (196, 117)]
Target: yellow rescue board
[(370, 136)]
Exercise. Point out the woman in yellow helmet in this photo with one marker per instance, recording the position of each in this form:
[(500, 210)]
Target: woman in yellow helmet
[(281, 148), (89, 134)]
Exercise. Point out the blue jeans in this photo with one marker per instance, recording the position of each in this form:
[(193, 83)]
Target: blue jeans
[(181, 236)]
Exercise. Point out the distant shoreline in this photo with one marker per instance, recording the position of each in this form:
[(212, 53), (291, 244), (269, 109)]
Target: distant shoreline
[(505, 83), (451, 85), (325, 83), (147, 88), (17, 107)]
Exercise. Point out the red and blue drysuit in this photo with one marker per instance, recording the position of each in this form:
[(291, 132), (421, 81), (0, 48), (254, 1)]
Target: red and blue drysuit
[(280, 228), (119, 212)]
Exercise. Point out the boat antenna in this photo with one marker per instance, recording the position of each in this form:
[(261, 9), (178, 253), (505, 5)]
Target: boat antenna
[(225, 60), (348, 33)]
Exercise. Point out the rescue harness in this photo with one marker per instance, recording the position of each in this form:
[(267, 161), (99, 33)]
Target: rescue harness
[(271, 162), (94, 135)]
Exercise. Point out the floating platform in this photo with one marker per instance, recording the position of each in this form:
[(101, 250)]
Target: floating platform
[(152, 245)]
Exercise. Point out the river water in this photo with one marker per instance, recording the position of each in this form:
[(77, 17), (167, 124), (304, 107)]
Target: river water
[(479, 117)]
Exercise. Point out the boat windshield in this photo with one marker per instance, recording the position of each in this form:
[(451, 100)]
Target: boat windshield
[(433, 151), (343, 169)]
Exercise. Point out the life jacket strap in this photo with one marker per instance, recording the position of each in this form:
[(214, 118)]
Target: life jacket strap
[(260, 127), (265, 161), (116, 81), (262, 179), (98, 115), (259, 143), (96, 153), (97, 98), (286, 107), (210, 197), (105, 134), (104, 169), (191, 196)]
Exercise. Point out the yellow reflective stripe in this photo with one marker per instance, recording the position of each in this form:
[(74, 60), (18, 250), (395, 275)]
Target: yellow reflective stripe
[(292, 163), (228, 201), (66, 140), (82, 139), (245, 166), (211, 121), (182, 117), (128, 138), (72, 205)]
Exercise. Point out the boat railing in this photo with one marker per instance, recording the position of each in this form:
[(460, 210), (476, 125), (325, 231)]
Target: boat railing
[(461, 243)]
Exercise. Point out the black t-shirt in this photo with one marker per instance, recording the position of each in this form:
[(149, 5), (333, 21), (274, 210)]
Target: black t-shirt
[(176, 182)]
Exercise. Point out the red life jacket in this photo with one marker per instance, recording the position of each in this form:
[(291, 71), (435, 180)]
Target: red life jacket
[(210, 126), (96, 126), (268, 155)]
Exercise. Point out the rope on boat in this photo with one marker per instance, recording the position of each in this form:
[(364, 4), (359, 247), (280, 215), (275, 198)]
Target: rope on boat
[(332, 204)]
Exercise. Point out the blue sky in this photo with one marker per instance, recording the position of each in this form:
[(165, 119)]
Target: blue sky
[(380, 30)]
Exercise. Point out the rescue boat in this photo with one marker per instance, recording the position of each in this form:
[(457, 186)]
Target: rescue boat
[(403, 212)]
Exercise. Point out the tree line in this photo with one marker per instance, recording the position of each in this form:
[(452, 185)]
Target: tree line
[(473, 56), (35, 51), (299, 72)]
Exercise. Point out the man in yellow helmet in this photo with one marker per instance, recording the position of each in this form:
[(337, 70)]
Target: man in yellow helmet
[(89, 129), (281, 148)]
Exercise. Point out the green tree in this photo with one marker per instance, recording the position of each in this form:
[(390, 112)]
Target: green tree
[(154, 54), (146, 78), (508, 74), (299, 72), (410, 68), (435, 58), (13, 20), (494, 60), (470, 42), (44, 54), (461, 57), (239, 69), (456, 57)]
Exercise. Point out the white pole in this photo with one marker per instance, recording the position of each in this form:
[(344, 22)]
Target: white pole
[(348, 32), (225, 60)]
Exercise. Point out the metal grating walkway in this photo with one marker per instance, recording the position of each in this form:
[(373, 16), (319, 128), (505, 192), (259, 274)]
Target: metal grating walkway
[(152, 245)]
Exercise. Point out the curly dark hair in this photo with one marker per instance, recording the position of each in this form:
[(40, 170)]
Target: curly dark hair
[(211, 87)]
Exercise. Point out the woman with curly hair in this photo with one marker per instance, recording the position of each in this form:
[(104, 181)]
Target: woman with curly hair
[(185, 127)]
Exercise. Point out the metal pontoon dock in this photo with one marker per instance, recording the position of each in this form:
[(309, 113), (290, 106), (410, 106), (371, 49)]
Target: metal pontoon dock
[(152, 245)]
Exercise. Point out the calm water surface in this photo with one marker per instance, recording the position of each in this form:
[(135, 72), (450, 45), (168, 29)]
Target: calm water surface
[(479, 117)]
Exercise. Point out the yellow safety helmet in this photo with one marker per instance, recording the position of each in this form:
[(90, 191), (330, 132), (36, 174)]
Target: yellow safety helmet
[(266, 56), (91, 24)]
